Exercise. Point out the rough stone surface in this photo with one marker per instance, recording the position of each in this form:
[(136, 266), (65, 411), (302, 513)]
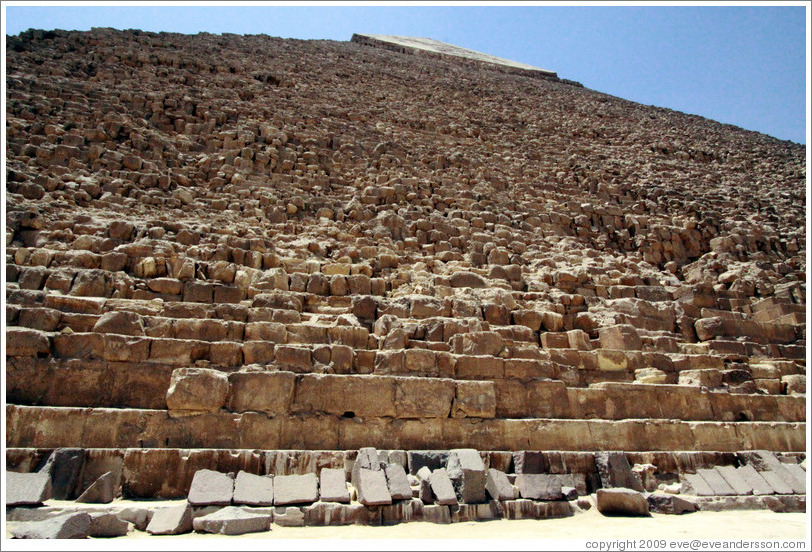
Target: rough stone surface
[(539, 487), (295, 489), (498, 486), (622, 502), (372, 488), (64, 466), (103, 490), (107, 525), (467, 472), (253, 490), (232, 520), (615, 471), (663, 503), (27, 489), (397, 482), (442, 488), (211, 488), (68, 526), (172, 520), (333, 485)]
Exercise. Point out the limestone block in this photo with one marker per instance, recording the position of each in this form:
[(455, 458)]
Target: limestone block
[(734, 479), (103, 490), (479, 367), (539, 487), (794, 384), (709, 377), (107, 525), (269, 392), (610, 360), (232, 521), (754, 480), (716, 482), (333, 485), (463, 279), (397, 482), (498, 485), (424, 397), (620, 336), (477, 343), (474, 399), (665, 503), (622, 502), (364, 396), (120, 322), (26, 342), (467, 472), (295, 489), (197, 389), (442, 488), (27, 489), (67, 526), (253, 490), (289, 517), (372, 487), (211, 488), (171, 520)]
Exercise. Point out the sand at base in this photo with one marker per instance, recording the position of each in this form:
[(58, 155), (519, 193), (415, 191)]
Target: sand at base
[(741, 524)]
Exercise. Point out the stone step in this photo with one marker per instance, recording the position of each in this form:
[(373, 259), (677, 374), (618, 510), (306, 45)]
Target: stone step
[(50, 427)]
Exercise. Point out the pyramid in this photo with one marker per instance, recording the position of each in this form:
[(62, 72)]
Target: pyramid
[(246, 253)]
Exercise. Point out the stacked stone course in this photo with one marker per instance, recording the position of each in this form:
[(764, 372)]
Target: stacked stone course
[(223, 249)]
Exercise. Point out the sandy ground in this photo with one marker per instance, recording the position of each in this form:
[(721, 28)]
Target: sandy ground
[(742, 524)]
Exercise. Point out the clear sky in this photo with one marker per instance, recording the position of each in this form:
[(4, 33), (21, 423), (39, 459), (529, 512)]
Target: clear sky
[(743, 65)]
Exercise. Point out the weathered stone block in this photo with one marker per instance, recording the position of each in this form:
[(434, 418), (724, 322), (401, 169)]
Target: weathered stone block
[(333, 485), (253, 490), (172, 520), (232, 521), (467, 472), (295, 489), (197, 389), (67, 526), (539, 487), (269, 392), (474, 399), (27, 489)]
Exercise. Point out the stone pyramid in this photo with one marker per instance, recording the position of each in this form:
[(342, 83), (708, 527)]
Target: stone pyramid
[(247, 253)]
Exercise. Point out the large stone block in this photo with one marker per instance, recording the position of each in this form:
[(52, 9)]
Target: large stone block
[(442, 488), (474, 399), (27, 489), (253, 490), (362, 396), (539, 487), (622, 502), (232, 521), (67, 526), (372, 487), (423, 397), (197, 389), (397, 482), (498, 485), (211, 488), (467, 472), (268, 392), (295, 489), (333, 485), (621, 336), (171, 520)]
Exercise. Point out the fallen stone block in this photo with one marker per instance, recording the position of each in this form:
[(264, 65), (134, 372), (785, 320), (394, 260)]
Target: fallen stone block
[(107, 525), (368, 459), (333, 485), (397, 482), (67, 526), (695, 484), (372, 488), (665, 503), (172, 520), (622, 502), (103, 490), (749, 474), (211, 488), (778, 484), (467, 472), (733, 478), (539, 487), (232, 521), (27, 489), (139, 517), (442, 488), (253, 490), (64, 466), (615, 471), (716, 482), (498, 486), (295, 489)]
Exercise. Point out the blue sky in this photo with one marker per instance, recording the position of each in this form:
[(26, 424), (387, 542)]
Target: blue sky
[(741, 65)]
